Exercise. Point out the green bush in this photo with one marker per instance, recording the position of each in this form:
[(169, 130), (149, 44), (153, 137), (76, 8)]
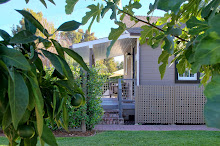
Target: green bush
[(92, 111)]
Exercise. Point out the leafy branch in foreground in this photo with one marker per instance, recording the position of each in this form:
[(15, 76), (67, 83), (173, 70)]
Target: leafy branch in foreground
[(27, 95)]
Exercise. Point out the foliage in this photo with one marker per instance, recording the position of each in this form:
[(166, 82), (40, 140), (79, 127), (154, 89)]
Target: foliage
[(27, 96), (93, 107), (195, 45)]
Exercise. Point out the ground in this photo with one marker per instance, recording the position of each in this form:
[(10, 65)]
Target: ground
[(209, 138)]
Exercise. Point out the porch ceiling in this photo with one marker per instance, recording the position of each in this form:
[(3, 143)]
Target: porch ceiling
[(122, 45)]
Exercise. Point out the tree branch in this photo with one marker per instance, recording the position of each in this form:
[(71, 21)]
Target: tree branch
[(140, 20)]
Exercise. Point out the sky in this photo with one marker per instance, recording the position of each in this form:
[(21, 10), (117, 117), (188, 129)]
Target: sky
[(56, 14)]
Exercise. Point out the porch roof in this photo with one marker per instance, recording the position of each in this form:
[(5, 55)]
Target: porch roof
[(124, 42)]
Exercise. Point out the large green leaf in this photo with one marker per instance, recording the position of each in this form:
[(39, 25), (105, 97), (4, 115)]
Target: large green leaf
[(34, 21), (215, 23), (60, 64), (52, 2), (23, 36), (147, 33), (58, 47), (94, 13), (210, 9), (65, 116), (69, 26), (166, 5), (208, 50), (116, 32), (39, 103), (70, 4), (164, 59), (193, 22), (181, 66), (5, 35), (4, 1), (7, 119), (44, 3), (30, 27), (112, 6), (114, 35), (18, 97), (76, 57), (212, 110), (48, 137), (47, 44), (12, 57), (169, 44)]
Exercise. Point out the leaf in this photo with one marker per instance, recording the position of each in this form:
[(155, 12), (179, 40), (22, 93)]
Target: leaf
[(116, 32), (23, 37), (18, 98), (12, 57), (60, 64), (212, 110), (5, 35), (70, 4), (69, 26), (6, 121), (147, 33), (114, 35), (47, 44), (215, 23), (169, 44), (212, 88), (166, 5), (65, 116), (58, 47), (208, 50), (77, 58), (27, 1), (38, 100), (174, 31), (181, 66), (44, 3), (34, 21), (164, 59), (4, 1), (52, 2), (112, 6), (48, 137), (193, 22), (110, 47), (210, 9), (94, 13), (30, 27)]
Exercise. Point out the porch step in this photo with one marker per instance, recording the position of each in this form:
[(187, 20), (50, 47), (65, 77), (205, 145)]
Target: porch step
[(111, 117)]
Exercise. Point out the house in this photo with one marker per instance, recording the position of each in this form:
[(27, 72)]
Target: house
[(177, 99)]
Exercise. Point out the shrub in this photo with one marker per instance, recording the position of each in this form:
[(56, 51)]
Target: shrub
[(92, 111)]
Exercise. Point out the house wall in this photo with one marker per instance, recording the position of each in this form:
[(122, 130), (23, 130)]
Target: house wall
[(149, 67)]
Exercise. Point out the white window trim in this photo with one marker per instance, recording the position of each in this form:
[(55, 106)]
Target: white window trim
[(194, 78)]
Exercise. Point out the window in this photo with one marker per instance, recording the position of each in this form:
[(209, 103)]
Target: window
[(186, 77)]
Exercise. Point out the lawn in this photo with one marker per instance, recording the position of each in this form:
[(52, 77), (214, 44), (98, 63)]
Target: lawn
[(211, 138)]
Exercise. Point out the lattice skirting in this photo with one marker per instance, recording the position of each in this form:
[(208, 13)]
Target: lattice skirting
[(169, 104)]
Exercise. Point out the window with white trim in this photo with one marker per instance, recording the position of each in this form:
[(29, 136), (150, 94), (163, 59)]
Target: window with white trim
[(187, 75)]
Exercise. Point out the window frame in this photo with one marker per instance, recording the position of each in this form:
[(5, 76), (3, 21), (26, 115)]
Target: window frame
[(177, 80)]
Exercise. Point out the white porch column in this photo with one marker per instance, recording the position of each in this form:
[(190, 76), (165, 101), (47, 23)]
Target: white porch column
[(138, 61)]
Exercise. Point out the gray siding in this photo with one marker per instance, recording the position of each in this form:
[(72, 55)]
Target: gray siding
[(149, 67)]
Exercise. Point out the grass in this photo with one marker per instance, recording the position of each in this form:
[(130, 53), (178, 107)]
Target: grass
[(177, 138)]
